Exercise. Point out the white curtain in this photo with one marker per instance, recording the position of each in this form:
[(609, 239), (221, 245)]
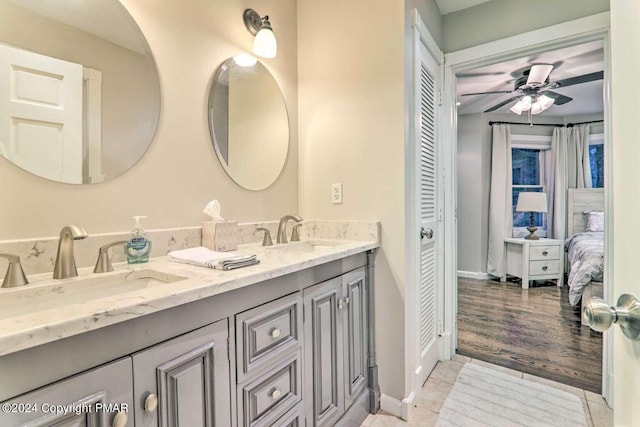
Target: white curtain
[(500, 213), (570, 168)]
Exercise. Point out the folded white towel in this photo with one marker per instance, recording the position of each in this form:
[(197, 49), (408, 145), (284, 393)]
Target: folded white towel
[(237, 262), (200, 256)]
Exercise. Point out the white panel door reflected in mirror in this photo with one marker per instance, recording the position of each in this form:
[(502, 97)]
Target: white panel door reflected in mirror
[(249, 123)]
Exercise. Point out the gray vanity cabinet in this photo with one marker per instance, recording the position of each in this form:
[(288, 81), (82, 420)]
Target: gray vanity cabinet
[(100, 397), (355, 334), (335, 348), (184, 381)]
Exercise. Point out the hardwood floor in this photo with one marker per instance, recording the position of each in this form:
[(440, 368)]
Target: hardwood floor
[(535, 331)]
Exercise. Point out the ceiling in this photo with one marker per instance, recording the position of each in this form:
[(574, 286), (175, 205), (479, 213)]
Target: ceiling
[(448, 6), (568, 62)]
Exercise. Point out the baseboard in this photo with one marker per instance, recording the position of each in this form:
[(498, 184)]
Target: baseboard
[(472, 275), (391, 405)]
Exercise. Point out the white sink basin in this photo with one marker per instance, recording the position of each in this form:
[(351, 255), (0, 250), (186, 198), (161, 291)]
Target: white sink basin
[(305, 246), (38, 297)]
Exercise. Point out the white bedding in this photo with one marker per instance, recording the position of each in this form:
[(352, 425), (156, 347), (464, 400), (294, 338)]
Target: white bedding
[(586, 261)]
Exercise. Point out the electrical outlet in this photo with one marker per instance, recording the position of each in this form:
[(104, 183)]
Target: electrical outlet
[(336, 194)]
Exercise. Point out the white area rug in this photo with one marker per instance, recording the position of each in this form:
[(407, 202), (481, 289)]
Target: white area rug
[(487, 397)]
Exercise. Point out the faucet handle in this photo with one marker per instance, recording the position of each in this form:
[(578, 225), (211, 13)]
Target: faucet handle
[(15, 274), (266, 240), (103, 264), (295, 234)]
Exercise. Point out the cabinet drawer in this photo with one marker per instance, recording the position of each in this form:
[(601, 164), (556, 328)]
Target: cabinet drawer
[(293, 418), (265, 333), (544, 252), (267, 398), (541, 268)]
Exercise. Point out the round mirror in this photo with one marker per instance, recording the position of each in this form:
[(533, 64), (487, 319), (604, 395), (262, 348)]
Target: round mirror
[(248, 123), (80, 94)]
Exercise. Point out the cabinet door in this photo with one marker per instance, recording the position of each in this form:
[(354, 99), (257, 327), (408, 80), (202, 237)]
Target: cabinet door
[(324, 359), (188, 377), (93, 399), (355, 335)]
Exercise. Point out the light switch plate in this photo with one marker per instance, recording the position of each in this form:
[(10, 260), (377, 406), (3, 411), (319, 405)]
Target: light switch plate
[(336, 194)]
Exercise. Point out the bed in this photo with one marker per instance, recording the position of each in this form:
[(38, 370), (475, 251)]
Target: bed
[(585, 245)]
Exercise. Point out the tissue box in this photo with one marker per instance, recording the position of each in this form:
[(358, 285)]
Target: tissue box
[(220, 236)]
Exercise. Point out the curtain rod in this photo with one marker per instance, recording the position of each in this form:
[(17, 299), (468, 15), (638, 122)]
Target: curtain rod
[(546, 124)]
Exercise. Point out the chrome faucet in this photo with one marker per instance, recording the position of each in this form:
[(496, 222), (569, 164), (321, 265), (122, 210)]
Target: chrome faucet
[(15, 275), (65, 266), (282, 227)]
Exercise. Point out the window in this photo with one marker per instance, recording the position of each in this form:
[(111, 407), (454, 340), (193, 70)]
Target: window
[(596, 160), (527, 175)]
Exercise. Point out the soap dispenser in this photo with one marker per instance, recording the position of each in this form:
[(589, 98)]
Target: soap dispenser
[(138, 246)]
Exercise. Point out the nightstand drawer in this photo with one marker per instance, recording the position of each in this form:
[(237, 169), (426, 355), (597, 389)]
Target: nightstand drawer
[(539, 268), (544, 252)]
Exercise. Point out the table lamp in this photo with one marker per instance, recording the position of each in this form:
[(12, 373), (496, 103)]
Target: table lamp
[(532, 202)]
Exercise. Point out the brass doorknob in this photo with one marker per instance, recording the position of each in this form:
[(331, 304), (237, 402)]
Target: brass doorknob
[(600, 316)]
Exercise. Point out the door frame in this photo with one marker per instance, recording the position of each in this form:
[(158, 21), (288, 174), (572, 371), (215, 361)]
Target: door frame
[(582, 30), (420, 37)]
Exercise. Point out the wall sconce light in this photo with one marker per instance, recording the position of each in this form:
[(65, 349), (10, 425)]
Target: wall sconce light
[(265, 43)]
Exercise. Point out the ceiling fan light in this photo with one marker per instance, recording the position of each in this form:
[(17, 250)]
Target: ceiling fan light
[(525, 103), (517, 108), (536, 108), (545, 101)]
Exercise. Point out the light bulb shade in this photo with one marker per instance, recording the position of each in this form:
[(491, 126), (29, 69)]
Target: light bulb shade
[(531, 202), (536, 108), (265, 43), (545, 101), (525, 103), (517, 108)]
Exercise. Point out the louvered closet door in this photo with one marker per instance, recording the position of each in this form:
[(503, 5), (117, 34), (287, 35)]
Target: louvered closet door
[(429, 205)]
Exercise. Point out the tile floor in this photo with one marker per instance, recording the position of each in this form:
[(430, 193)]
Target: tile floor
[(444, 375)]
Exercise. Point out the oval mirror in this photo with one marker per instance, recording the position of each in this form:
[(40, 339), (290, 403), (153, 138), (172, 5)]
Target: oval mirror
[(248, 122), (80, 94)]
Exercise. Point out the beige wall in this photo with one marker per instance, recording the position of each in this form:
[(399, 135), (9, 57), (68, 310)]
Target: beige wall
[(498, 19), (625, 45), (351, 87), (179, 173)]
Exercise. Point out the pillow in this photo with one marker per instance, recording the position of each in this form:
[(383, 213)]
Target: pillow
[(594, 221)]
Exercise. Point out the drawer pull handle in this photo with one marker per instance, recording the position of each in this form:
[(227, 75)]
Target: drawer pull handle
[(545, 268), (120, 420), (545, 253), (347, 300), (275, 333), (275, 393), (151, 403)]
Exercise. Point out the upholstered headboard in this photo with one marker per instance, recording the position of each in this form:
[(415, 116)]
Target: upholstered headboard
[(581, 200)]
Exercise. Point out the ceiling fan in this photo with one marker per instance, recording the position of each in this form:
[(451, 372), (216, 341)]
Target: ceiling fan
[(532, 90)]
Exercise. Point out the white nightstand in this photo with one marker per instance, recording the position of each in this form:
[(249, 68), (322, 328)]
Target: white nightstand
[(535, 260)]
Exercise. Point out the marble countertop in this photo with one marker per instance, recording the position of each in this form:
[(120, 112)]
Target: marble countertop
[(55, 321)]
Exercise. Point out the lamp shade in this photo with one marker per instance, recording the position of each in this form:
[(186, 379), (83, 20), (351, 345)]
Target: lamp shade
[(532, 202), (265, 44)]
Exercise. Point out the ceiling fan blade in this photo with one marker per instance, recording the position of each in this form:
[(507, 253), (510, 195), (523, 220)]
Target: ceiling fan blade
[(539, 73), (558, 99), (472, 75), (486, 93), (502, 104), (598, 75)]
